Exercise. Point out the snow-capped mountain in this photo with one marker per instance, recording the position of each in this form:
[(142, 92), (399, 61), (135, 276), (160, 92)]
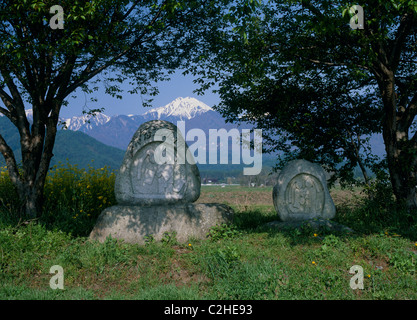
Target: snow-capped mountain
[(86, 123), (82, 123), (181, 108), (117, 131)]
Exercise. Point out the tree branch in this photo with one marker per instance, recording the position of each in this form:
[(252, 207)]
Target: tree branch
[(313, 9), (330, 64), (407, 22), (407, 117)]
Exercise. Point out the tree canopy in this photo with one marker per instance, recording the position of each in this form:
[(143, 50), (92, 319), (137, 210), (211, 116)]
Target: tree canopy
[(319, 88), (43, 60)]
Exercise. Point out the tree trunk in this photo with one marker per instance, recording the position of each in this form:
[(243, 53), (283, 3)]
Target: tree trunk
[(404, 186), (37, 147), (41, 160), (31, 201), (356, 148), (401, 152)]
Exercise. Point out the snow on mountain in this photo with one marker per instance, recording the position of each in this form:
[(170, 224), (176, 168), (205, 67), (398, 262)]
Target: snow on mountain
[(181, 108), (118, 130), (86, 122), (82, 123)]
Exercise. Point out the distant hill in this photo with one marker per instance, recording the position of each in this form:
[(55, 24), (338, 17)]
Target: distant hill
[(81, 149), (117, 130), (76, 146)]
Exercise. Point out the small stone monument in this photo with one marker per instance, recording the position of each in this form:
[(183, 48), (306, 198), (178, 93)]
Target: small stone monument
[(155, 188), (301, 193)]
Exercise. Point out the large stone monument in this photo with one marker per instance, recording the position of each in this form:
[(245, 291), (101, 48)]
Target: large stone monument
[(155, 188), (155, 169)]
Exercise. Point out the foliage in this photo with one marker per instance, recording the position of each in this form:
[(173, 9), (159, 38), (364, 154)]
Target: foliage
[(316, 87), (169, 238), (9, 199), (80, 194), (403, 260), (377, 210), (74, 197)]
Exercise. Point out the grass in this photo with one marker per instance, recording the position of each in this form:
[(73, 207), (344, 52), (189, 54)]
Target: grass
[(241, 261)]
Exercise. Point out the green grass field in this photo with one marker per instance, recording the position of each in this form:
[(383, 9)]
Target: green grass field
[(241, 261)]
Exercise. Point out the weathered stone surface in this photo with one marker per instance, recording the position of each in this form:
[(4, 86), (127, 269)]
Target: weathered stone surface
[(301, 192), (158, 168), (134, 223), (315, 224)]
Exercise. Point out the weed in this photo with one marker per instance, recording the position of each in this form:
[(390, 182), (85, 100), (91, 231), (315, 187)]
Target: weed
[(403, 260), (149, 239), (223, 231), (169, 238)]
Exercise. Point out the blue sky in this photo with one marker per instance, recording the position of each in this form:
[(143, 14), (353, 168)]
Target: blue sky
[(178, 86)]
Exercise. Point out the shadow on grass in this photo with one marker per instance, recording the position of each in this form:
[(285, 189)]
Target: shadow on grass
[(60, 220), (363, 221)]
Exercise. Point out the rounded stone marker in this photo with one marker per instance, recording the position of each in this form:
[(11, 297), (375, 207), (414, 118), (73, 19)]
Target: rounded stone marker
[(301, 192), (158, 168)]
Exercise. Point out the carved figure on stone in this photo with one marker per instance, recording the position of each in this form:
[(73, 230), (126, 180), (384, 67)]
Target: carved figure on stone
[(304, 194), (143, 181)]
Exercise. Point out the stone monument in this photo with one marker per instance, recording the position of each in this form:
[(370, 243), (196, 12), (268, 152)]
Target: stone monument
[(155, 170), (302, 199), (301, 192), (155, 188)]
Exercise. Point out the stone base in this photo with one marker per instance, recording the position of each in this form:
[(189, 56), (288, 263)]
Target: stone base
[(315, 224), (134, 223)]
